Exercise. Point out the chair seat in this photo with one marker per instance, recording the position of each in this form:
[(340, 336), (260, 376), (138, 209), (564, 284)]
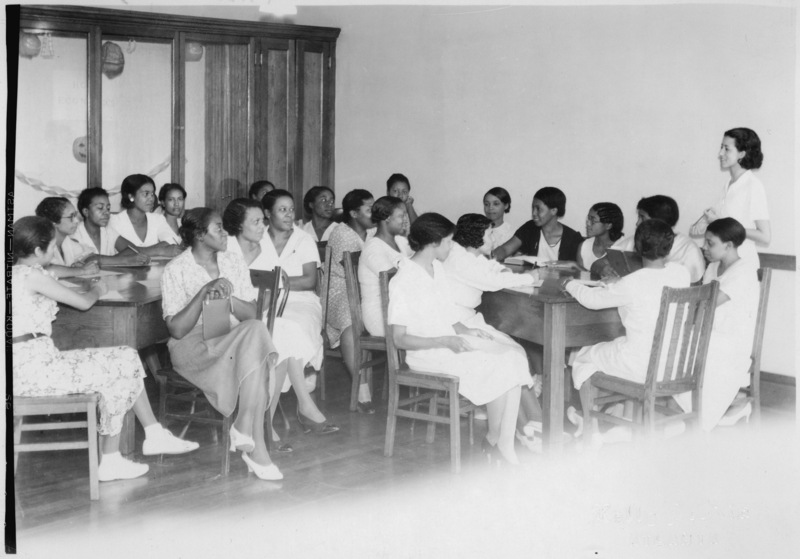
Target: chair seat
[(377, 343), (62, 399)]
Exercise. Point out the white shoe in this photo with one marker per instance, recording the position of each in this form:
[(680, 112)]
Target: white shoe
[(120, 468), (532, 427), (618, 434), (267, 473), (537, 385), (480, 414), (576, 419), (732, 419), (531, 443), (166, 443), (311, 382)]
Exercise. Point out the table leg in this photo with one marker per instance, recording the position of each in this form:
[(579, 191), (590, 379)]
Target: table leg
[(127, 439), (553, 372)]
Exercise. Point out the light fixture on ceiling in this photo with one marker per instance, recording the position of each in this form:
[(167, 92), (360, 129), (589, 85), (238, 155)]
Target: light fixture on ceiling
[(278, 8)]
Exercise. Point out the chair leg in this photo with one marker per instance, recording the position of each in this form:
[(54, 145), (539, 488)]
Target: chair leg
[(413, 391), (455, 431), (356, 380), (321, 380), (471, 427), (385, 394), (283, 415), (91, 427), (391, 418), (17, 439), (587, 401), (432, 410), (226, 445)]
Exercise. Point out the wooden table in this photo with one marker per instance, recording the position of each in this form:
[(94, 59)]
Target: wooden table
[(134, 321), (556, 321)]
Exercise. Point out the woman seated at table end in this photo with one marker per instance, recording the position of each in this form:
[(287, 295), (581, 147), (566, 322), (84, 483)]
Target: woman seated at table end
[(70, 256), (425, 323), (232, 367), (40, 369)]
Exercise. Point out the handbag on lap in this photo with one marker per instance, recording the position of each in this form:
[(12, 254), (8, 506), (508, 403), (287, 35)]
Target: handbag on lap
[(216, 317)]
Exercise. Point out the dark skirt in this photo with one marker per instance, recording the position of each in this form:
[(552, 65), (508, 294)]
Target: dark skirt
[(218, 366)]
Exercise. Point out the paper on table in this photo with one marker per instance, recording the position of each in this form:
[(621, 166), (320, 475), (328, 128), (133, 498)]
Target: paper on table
[(150, 283), (590, 283), (112, 296), (527, 288), (520, 259), (102, 273)]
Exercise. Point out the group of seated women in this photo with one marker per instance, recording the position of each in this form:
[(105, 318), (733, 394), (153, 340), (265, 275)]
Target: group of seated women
[(443, 269)]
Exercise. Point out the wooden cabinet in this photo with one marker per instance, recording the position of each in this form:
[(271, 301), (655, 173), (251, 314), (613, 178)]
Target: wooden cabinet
[(247, 101)]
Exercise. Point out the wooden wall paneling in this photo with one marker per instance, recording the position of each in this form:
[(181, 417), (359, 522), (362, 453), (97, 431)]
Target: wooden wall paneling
[(310, 85), (94, 109), (252, 53), (329, 115), (178, 170)]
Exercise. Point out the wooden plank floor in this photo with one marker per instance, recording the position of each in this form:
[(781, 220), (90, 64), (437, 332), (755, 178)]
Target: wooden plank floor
[(324, 473)]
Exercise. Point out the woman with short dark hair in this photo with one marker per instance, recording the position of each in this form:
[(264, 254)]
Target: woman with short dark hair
[(496, 204), (172, 200), (319, 203), (743, 196), (638, 297), (728, 361), (398, 186), (40, 369), (604, 224), (70, 258), (232, 368), (426, 323)]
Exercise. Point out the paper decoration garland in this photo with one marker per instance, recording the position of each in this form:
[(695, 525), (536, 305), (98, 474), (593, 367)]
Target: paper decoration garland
[(58, 191)]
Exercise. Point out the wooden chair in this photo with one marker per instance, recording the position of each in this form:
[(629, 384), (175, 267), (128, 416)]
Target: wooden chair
[(754, 390), (431, 384), (323, 285), (52, 405), (685, 343), (364, 344), (172, 386)]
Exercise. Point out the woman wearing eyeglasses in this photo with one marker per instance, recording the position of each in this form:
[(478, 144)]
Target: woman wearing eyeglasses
[(68, 259)]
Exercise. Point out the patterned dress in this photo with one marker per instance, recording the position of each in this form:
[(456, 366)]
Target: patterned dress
[(40, 369), (219, 365), (343, 239)]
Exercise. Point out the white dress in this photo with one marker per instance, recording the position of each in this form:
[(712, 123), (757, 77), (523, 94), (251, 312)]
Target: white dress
[(158, 229), (377, 257), (298, 333), (638, 298), (684, 252), (73, 251), (501, 234), (423, 305), (309, 228), (746, 201), (587, 253), (729, 350), (108, 240)]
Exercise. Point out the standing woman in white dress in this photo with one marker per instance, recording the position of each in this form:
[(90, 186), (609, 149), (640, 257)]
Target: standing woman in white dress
[(382, 252), (291, 248), (425, 323), (296, 334), (743, 196), (496, 204), (604, 224), (319, 202), (638, 299), (728, 361), (147, 232), (40, 369), (172, 200)]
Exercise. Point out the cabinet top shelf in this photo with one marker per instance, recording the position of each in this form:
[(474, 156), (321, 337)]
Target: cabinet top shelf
[(71, 16)]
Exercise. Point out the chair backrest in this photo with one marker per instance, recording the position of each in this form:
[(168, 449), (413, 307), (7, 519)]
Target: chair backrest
[(394, 356), (350, 264), (324, 283), (268, 284), (321, 247), (684, 338), (765, 277)]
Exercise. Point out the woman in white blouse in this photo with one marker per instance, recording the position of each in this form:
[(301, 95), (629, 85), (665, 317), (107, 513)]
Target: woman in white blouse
[(292, 249), (496, 204), (382, 252), (471, 272), (172, 201), (319, 202), (426, 323), (149, 233), (743, 196), (69, 259), (231, 368), (604, 224)]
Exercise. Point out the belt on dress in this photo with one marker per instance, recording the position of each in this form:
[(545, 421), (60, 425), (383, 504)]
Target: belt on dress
[(27, 337)]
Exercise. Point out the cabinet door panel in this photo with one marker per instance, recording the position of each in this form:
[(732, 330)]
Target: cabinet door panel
[(276, 120)]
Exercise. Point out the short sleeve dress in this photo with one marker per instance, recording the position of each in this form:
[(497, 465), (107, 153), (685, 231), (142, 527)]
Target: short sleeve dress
[(746, 201), (500, 234), (298, 332), (219, 365), (108, 240), (309, 228), (377, 257), (423, 305), (40, 369), (638, 298), (343, 239), (72, 250), (728, 361), (158, 230), (684, 252)]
